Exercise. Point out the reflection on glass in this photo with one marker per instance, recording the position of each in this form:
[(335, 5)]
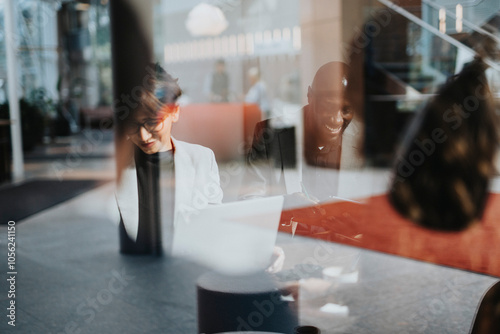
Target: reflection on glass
[(443, 172), (305, 153)]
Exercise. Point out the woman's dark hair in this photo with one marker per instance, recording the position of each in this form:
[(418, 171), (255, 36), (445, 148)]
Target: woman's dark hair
[(442, 171), (159, 88)]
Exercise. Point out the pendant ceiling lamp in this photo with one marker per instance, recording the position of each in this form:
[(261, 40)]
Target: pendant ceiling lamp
[(206, 20)]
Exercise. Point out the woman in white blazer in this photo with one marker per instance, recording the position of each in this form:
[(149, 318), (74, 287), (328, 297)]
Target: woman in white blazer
[(165, 179)]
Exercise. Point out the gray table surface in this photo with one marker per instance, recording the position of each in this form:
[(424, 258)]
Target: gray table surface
[(72, 279)]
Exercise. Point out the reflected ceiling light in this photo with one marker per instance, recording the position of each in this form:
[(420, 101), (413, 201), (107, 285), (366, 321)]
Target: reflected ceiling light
[(267, 36), (206, 20), (459, 15), (442, 20), (241, 44), (297, 38), (249, 44), (286, 34), (277, 35)]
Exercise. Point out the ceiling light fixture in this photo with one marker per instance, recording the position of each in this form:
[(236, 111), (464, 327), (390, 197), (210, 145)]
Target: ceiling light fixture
[(206, 20)]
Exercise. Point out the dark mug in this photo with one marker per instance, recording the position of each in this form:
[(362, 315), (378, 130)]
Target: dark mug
[(307, 330)]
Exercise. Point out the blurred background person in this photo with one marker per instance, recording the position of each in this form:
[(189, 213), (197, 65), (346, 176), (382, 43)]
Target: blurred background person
[(217, 84), (258, 92)]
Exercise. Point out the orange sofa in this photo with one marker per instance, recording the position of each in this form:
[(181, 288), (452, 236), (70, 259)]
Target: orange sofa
[(375, 225), (226, 128)]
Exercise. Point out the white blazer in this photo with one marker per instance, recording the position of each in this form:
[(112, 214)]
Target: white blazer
[(197, 184)]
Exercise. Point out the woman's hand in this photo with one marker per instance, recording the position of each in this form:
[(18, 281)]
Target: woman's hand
[(277, 260)]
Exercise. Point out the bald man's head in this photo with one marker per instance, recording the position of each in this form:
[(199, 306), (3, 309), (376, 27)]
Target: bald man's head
[(331, 78), (330, 108)]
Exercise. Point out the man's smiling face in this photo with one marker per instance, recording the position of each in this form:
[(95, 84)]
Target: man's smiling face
[(330, 109)]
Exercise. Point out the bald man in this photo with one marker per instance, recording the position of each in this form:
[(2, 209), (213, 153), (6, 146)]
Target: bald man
[(305, 158), (327, 115)]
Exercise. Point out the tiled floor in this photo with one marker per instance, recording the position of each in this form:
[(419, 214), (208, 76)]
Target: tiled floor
[(85, 155)]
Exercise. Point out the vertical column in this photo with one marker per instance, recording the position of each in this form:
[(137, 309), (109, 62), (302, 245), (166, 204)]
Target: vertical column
[(12, 80), (327, 28), (321, 27), (131, 53)]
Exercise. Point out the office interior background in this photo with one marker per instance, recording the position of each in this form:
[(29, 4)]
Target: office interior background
[(56, 74)]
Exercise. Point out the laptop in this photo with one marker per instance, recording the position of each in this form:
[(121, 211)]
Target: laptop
[(233, 238)]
